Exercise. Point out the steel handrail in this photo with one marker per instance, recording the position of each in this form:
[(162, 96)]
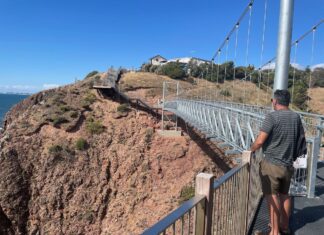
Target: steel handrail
[(227, 176), (170, 219)]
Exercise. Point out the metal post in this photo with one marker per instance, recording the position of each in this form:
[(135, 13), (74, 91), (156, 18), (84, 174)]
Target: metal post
[(312, 167), (177, 107), (284, 43), (163, 106)]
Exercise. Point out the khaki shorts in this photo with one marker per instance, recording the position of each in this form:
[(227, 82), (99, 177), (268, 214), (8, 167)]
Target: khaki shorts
[(274, 178)]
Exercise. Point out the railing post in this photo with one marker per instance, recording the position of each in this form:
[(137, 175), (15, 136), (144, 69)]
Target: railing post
[(203, 216), (312, 167), (246, 158)]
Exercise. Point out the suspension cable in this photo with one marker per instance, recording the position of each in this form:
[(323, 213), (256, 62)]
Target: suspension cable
[(234, 27), (235, 52), (268, 84), (311, 62), (218, 61), (294, 72), (262, 43), (263, 30), (217, 79), (298, 40), (211, 76), (247, 50), (226, 57)]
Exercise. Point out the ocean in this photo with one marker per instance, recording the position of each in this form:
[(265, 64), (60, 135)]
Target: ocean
[(7, 101)]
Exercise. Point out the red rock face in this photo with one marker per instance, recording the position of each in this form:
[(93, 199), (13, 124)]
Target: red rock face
[(123, 181)]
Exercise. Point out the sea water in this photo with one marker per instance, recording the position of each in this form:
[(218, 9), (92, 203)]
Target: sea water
[(6, 102)]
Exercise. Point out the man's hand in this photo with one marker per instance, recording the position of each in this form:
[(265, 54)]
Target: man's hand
[(262, 137)]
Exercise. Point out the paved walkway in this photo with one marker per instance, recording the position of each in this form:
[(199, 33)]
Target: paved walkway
[(308, 213)]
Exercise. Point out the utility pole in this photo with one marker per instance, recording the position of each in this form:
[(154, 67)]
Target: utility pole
[(284, 44)]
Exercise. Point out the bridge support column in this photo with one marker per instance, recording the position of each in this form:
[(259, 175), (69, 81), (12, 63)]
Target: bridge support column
[(284, 44)]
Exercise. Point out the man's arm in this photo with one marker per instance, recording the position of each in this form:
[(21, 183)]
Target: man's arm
[(262, 137)]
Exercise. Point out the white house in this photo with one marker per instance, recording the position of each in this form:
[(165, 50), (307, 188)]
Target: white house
[(186, 60), (158, 60)]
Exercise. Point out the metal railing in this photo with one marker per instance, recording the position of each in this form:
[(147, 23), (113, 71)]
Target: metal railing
[(180, 221), (228, 205), (223, 206)]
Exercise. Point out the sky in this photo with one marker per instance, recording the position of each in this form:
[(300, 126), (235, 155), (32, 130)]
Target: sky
[(54, 42)]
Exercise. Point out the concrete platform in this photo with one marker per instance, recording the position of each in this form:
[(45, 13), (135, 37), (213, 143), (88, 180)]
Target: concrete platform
[(169, 133)]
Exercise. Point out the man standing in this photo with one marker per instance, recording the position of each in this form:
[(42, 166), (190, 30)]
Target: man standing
[(280, 132)]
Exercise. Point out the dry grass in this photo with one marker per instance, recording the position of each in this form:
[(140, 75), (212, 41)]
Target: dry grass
[(239, 91), (317, 100)]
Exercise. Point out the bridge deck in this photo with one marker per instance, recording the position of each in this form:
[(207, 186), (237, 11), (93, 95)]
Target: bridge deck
[(308, 213)]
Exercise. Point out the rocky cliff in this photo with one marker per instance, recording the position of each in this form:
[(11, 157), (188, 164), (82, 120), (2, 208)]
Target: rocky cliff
[(74, 162)]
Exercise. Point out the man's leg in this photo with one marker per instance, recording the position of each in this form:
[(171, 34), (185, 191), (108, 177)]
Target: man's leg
[(285, 201), (274, 209)]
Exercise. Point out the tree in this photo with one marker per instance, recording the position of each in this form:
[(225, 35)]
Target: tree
[(300, 95), (174, 70)]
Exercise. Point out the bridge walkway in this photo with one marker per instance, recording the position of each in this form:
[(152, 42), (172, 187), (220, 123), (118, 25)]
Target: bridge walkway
[(307, 214)]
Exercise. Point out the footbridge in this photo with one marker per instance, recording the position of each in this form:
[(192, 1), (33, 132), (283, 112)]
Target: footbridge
[(231, 203)]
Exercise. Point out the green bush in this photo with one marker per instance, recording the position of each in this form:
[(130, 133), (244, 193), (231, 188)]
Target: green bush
[(94, 127), (65, 108), (187, 192), (60, 150), (225, 93), (74, 114), (59, 120), (55, 149), (92, 74), (146, 67), (148, 135), (88, 99), (81, 144), (174, 70), (123, 108)]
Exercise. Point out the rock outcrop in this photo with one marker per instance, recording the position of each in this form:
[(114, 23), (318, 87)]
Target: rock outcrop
[(121, 178)]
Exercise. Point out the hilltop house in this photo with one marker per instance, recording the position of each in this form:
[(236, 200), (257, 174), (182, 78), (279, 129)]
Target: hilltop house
[(186, 60), (158, 60)]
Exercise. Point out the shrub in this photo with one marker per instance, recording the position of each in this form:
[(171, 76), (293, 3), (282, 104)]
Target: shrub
[(191, 80), (81, 144), (225, 93), (88, 99), (174, 70), (74, 114), (153, 68), (146, 67), (59, 120), (92, 74), (54, 149), (123, 108), (148, 135), (187, 192), (60, 150), (65, 108), (94, 127)]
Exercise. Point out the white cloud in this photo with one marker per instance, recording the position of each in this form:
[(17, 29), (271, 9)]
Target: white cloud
[(298, 66), (317, 66), (18, 88), (272, 65), (50, 86)]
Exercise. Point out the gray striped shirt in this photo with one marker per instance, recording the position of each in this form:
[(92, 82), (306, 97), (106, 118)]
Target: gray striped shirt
[(282, 127)]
